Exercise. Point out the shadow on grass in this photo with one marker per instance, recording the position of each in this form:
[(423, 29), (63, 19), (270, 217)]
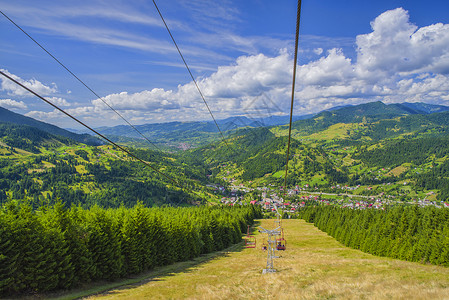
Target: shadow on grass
[(105, 288), (160, 273)]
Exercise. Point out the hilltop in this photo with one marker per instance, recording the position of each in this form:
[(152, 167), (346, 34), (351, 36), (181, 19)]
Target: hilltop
[(12, 117), (328, 124), (186, 135)]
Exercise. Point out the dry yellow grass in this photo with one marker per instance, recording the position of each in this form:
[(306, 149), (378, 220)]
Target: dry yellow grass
[(315, 266)]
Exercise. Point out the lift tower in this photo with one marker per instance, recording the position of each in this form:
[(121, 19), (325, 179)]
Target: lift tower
[(271, 247)]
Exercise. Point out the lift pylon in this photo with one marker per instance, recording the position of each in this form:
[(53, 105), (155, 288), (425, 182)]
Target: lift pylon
[(250, 240), (271, 247)]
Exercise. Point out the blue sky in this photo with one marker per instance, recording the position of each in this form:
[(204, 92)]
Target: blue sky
[(240, 52)]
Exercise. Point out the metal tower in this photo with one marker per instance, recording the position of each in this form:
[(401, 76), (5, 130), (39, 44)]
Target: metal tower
[(271, 248), (272, 234)]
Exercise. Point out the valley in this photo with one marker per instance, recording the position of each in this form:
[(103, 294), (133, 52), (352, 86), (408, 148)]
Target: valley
[(373, 167), (403, 159), (213, 150)]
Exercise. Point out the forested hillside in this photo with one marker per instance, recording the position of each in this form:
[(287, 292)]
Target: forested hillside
[(371, 122), (185, 135), (259, 156), (8, 116), (40, 168), (399, 150), (58, 248)]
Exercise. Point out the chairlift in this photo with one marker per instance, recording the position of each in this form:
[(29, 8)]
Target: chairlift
[(281, 242), (250, 240)]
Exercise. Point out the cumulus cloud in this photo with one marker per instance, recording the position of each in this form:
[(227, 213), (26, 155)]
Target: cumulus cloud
[(14, 90), (58, 101), (9, 104), (396, 45), (395, 62), (155, 99), (251, 75), (327, 71), (41, 115)]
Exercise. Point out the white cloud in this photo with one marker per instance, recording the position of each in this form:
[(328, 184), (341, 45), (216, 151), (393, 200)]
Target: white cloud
[(396, 62), (251, 75), (13, 89), (153, 100), (318, 51), (329, 70), (9, 103), (397, 46), (58, 101), (80, 9), (45, 116)]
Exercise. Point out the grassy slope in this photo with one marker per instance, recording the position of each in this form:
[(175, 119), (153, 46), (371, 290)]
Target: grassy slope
[(315, 266)]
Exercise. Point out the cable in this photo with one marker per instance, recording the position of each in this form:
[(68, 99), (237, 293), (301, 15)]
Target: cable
[(82, 82), (99, 134), (191, 75), (293, 91)]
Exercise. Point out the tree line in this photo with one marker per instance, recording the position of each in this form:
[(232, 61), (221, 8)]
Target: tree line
[(412, 233), (58, 248)]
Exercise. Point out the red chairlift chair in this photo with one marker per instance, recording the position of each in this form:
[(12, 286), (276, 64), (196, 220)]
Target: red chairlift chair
[(281, 242), (250, 240)]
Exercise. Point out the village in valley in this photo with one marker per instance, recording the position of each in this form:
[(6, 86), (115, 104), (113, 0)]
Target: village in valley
[(292, 200)]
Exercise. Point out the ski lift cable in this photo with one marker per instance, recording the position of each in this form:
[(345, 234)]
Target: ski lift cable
[(298, 14), (81, 81), (191, 75)]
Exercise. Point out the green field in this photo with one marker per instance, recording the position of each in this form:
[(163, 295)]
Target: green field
[(315, 266)]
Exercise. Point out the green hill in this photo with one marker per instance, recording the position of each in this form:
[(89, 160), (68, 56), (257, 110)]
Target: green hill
[(370, 121), (12, 117), (258, 156), (39, 167), (395, 151)]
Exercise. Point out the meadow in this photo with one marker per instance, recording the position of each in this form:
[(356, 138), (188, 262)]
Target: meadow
[(314, 266)]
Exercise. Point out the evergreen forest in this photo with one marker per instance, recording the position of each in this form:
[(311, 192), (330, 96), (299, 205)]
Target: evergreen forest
[(54, 247), (409, 233)]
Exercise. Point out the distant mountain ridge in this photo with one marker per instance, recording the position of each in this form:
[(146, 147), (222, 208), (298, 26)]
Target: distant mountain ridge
[(364, 113), (8, 116), (197, 133), (347, 113), (205, 126)]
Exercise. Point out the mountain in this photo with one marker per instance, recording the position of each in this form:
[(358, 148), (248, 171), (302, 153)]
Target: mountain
[(193, 134), (187, 134), (375, 111), (258, 156), (41, 168), (29, 138), (12, 117), (374, 148), (424, 108), (369, 116)]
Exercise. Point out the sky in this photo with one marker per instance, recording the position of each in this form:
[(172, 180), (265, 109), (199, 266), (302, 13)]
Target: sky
[(239, 52)]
